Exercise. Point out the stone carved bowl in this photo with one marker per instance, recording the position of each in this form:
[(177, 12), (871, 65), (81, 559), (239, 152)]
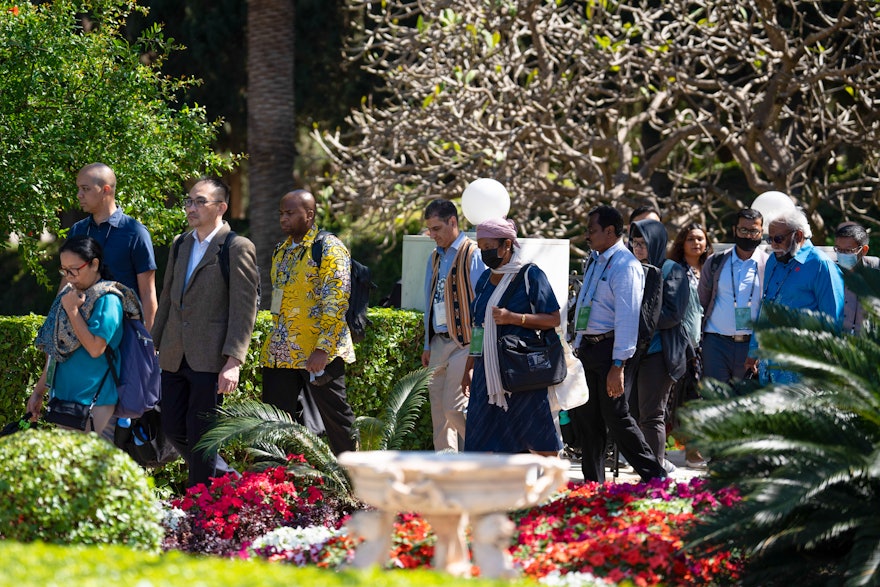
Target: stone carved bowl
[(450, 483)]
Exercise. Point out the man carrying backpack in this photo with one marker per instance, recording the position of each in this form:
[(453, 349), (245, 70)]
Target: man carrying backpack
[(204, 323), (304, 357)]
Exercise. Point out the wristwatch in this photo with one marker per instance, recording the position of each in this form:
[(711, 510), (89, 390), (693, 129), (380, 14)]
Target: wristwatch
[(618, 363)]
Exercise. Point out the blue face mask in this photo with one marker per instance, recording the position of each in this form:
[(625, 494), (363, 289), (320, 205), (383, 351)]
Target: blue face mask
[(847, 260)]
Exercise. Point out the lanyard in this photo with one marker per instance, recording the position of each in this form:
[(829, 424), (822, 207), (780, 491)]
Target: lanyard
[(601, 275), (781, 283), (752, 292)]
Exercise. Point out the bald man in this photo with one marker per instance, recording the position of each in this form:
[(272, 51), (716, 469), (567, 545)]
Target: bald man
[(304, 357), (128, 248)]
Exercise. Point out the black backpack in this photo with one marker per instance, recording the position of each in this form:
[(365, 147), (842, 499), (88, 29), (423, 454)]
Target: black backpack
[(361, 286), (652, 302)]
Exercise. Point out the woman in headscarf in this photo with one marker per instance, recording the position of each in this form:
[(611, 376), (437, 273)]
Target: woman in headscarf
[(500, 421), (81, 323)]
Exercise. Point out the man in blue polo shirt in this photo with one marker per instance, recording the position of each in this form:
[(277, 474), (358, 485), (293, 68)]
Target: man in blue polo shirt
[(798, 276), (128, 248)]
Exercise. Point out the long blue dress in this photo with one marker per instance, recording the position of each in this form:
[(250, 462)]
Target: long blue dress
[(528, 423)]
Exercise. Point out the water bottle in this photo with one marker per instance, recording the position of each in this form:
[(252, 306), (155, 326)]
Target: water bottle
[(124, 422), (139, 435)]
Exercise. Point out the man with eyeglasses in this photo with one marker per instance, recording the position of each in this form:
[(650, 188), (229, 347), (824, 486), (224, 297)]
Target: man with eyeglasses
[(851, 246), (128, 248), (800, 277), (730, 293), (204, 323), (451, 273)]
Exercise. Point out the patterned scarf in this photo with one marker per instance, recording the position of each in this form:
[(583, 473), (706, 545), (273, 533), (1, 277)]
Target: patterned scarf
[(56, 337)]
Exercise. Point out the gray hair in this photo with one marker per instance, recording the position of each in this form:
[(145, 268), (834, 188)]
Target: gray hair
[(795, 220)]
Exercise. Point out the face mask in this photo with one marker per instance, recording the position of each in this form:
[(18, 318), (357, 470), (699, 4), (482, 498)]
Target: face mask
[(491, 258), (847, 260), (784, 256), (746, 244)]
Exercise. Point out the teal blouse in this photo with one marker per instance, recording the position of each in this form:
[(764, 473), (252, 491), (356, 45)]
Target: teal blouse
[(77, 378)]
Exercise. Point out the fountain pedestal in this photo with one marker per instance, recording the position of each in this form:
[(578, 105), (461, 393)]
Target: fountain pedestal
[(449, 490)]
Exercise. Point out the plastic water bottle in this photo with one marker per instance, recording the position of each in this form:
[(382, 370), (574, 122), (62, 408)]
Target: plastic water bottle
[(139, 434)]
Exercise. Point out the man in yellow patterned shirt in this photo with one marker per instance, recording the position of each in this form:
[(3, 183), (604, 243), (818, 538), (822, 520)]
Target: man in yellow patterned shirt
[(304, 357)]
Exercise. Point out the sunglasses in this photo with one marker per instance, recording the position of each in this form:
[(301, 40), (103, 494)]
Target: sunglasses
[(778, 238)]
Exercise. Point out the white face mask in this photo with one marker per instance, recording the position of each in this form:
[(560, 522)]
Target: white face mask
[(847, 260)]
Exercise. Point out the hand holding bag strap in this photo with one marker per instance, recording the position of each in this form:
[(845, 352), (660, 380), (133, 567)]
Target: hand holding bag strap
[(521, 276)]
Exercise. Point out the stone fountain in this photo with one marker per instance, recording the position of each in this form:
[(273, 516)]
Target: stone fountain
[(449, 490)]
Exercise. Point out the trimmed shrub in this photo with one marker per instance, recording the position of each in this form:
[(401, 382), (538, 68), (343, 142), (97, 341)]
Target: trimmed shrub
[(22, 363), (72, 488)]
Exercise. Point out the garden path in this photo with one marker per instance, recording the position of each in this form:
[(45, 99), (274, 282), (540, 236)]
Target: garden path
[(628, 475)]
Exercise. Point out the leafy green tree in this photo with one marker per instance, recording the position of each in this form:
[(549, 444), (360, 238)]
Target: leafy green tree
[(698, 106), (806, 456), (74, 91)]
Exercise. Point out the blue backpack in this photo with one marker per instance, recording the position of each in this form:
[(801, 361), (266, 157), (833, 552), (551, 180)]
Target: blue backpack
[(138, 381)]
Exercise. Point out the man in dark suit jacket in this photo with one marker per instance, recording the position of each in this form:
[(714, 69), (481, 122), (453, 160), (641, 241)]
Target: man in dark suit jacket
[(203, 326)]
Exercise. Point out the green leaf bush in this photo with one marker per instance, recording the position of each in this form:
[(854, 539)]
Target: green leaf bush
[(71, 488)]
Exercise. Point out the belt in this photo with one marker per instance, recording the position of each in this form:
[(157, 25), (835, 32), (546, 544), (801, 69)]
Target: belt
[(443, 334), (734, 338), (594, 338)]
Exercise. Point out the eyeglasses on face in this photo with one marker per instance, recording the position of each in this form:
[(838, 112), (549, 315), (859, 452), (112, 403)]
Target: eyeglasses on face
[(779, 238), (743, 231), (853, 251), (199, 202), (71, 272), (638, 244)]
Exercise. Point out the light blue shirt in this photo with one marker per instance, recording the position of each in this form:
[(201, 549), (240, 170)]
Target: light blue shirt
[(747, 281), (810, 281), (198, 252), (447, 257), (614, 284)]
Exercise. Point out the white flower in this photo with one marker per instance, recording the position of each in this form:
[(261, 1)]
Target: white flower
[(287, 538), (172, 517), (556, 579)]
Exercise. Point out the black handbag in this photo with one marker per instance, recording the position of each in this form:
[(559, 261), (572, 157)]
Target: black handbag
[(69, 414), (73, 414), (529, 363), (145, 441)]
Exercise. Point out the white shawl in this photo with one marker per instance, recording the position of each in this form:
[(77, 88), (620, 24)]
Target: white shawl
[(490, 333)]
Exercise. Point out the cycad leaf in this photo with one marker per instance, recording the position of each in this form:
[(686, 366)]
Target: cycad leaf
[(402, 410)]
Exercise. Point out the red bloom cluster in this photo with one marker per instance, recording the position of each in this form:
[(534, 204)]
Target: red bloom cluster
[(413, 544), (624, 531), (232, 501)]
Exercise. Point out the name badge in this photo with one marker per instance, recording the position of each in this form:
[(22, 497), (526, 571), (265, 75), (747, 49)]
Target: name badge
[(583, 318), (439, 314), (743, 318), (277, 296), (476, 348)]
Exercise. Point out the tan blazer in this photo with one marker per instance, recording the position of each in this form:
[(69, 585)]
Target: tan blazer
[(206, 322)]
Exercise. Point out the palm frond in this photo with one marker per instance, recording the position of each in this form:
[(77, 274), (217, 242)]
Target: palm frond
[(806, 455), (269, 431), (370, 432), (402, 409)]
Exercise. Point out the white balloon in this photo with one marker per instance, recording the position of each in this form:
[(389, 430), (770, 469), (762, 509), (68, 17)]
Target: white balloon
[(772, 205), (483, 199)]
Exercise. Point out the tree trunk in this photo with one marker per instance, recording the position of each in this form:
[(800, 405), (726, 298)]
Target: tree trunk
[(271, 127)]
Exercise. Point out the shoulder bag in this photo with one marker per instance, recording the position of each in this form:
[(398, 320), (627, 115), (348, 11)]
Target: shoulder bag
[(529, 363)]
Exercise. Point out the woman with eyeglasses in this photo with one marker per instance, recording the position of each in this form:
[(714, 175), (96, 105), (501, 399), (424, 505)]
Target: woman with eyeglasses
[(81, 323)]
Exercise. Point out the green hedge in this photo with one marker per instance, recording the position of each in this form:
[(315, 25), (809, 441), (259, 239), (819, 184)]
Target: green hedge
[(39, 565), (392, 348)]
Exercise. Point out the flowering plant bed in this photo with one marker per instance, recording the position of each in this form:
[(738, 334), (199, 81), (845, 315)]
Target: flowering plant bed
[(588, 534)]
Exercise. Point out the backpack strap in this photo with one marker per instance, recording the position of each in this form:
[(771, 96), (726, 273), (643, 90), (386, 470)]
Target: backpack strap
[(318, 247), (222, 254)]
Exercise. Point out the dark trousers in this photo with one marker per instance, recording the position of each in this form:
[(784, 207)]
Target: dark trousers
[(291, 391), (189, 398), (591, 419), (648, 399), (724, 359)]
